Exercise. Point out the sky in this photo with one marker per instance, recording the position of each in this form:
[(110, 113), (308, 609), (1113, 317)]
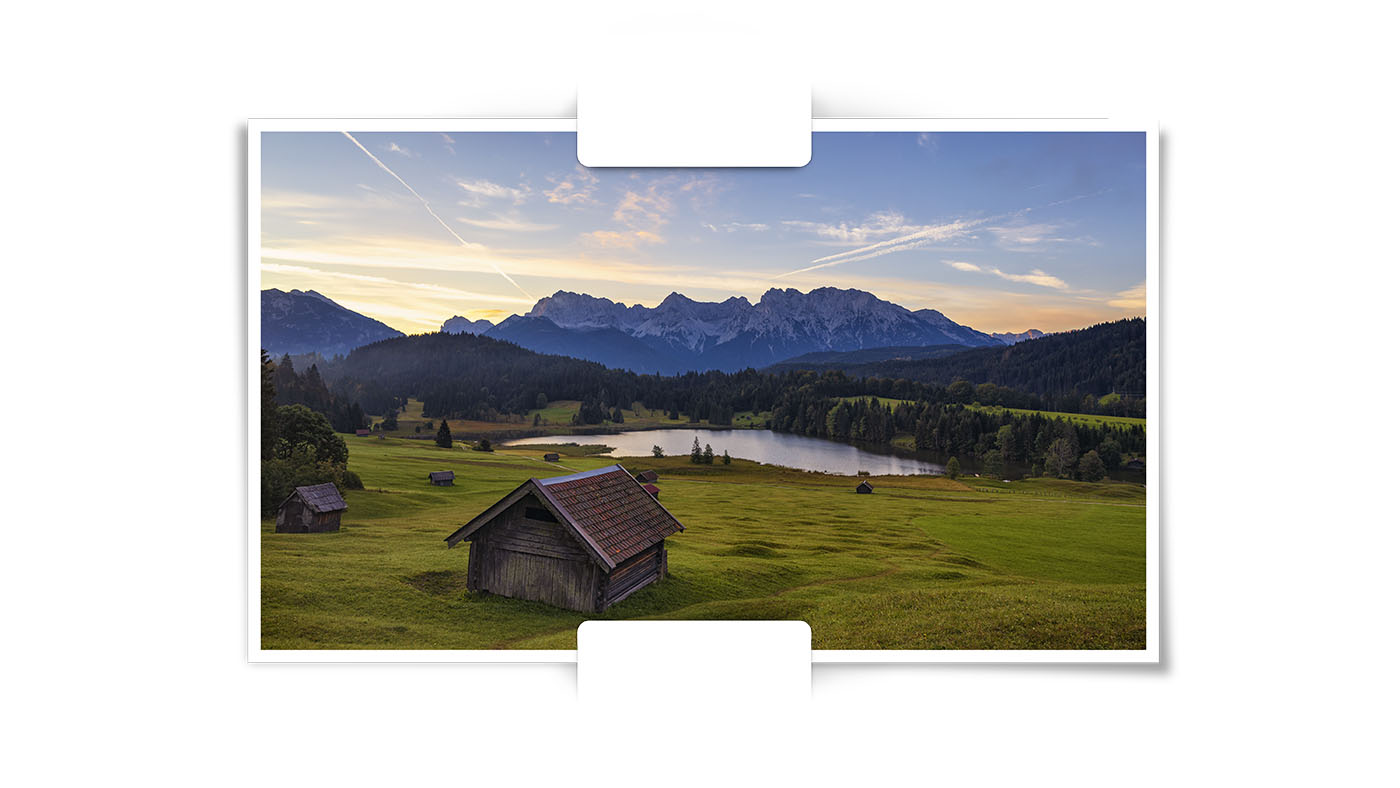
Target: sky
[(1001, 231)]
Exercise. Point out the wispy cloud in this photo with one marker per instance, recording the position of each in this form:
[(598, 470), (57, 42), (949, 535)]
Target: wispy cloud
[(508, 224), (1035, 237), (650, 207), (429, 208), (394, 147), (927, 140), (1134, 297), (481, 190), (928, 235), (1035, 277), (730, 227), (575, 189), (629, 239), (876, 225)]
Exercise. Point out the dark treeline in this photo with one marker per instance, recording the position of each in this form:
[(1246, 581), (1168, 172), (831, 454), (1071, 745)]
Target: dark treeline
[(309, 389), (299, 445), (996, 438), (1100, 370), (465, 376)]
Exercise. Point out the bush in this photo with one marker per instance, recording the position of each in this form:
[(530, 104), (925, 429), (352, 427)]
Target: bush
[(1091, 467), (953, 468)]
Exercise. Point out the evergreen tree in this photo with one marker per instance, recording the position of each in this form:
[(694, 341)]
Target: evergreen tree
[(708, 457), (725, 459), (953, 468), (695, 454), (657, 452), (444, 436)]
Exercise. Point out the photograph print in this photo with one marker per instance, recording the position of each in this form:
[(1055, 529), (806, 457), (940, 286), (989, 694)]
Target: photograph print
[(901, 393)]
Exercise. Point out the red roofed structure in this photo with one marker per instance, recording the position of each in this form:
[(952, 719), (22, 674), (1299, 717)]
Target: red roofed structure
[(583, 542)]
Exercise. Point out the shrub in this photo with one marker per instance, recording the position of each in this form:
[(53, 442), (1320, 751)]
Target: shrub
[(953, 468)]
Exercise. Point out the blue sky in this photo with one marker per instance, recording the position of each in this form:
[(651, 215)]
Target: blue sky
[(1001, 231)]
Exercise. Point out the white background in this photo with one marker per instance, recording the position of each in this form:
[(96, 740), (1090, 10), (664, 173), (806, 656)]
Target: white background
[(123, 579)]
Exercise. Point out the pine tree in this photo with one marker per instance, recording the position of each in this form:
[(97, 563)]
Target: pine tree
[(725, 459), (656, 451), (708, 457), (695, 454), (444, 435)]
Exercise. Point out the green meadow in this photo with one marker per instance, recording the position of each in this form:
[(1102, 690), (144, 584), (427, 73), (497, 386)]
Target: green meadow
[(924, 563)]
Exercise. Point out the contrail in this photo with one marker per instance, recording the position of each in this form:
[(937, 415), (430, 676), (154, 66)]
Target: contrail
[(911, 241), (433, 213)]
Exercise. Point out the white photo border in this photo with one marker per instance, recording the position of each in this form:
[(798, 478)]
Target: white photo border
[(1149, 655)]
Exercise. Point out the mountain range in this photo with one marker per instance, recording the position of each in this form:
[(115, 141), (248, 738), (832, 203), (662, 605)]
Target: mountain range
[(304, 321), (681, 334), (677, 335)]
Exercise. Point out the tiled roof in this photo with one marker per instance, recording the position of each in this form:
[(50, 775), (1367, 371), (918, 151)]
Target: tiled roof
[(322, 497), (612, 510)]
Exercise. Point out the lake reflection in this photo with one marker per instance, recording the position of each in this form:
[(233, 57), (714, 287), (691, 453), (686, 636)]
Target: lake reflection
[(766, 446)]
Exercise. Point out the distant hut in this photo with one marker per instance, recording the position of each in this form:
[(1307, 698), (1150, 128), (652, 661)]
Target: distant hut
[(653, 489), (551, 457), (441, 478), (865, 488), (647, 476), (315, 508), (584, 542), (362, 433)]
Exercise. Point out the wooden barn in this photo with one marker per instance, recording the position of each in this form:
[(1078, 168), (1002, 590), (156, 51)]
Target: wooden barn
[(312, 509), (653, 489), (551, 457), (865, 488), (362, 433), (442, 478), (647, 476), (584, 542)]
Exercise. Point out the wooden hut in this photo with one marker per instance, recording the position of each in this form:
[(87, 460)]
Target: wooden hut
[(551, 457), (647, 476), (653, 489), (442, 478), (362, 433), (315, 508), (584, 542), (865, 488)]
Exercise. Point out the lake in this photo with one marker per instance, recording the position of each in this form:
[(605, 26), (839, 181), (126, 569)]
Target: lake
[(766, 446)]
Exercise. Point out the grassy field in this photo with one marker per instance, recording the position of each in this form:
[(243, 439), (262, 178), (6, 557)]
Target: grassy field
[(1080, 418), (925, 562)]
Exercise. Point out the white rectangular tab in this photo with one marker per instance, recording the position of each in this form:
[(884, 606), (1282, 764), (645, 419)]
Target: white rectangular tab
[(699, 662), (640, 118)]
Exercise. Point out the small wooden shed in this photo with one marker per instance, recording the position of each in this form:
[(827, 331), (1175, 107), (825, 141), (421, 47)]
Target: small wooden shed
[(442, 478), (362, 433), (315, 508), (551, 457), (653, 489), (865, 488), (584, 542), (647, 476)]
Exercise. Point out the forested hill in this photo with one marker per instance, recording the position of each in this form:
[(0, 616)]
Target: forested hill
[(1109, 358)]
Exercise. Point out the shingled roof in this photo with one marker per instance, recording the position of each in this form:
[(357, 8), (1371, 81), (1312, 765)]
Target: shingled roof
[(321, 497), (441, 476), (607, 509)]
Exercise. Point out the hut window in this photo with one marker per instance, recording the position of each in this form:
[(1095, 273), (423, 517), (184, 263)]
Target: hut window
[(536, 513)]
